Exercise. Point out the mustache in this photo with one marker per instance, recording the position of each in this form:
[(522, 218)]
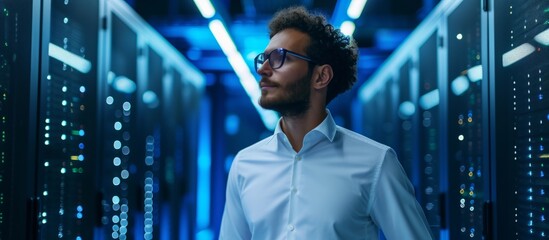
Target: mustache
[(266, 82)]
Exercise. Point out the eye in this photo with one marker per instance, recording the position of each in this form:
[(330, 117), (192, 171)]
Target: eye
[(261, 57), (277, 55)]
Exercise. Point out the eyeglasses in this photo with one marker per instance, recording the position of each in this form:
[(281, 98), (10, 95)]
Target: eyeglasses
[(276, 58)]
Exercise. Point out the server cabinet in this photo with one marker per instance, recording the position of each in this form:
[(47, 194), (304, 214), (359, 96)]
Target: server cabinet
[(150, 94), (493, 111), (466, 171), (390, 123), (440, 117), (19, 40), (519, 82), (82, 118), (429, 132), (372, 118), (187, 183), (179, 146), (120, 190), (148, 141), (67, 149), (407, 123), (172, 183)]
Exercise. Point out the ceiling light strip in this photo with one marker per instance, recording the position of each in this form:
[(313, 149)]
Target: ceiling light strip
[(206, 8), (355, 8), (237, 62), (346, 11)]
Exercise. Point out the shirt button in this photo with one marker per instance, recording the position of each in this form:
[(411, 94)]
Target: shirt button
[(294, 190), (291, 227), (297, 158)]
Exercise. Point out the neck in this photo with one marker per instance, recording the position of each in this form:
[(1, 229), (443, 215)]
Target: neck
[(296, 126)]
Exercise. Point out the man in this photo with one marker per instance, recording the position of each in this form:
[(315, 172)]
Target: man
[(312, 179)]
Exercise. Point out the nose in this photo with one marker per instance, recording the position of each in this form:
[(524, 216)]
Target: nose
[(265, 69)]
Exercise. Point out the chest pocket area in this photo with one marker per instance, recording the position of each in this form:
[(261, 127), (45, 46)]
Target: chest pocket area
[(339, 198)]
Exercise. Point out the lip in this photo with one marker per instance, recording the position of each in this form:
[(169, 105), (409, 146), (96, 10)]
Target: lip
[(266, 85)]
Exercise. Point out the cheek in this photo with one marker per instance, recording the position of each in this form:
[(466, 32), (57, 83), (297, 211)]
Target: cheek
[(294, 78)]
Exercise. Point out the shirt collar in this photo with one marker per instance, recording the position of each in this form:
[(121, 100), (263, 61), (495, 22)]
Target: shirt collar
[(326, 127)]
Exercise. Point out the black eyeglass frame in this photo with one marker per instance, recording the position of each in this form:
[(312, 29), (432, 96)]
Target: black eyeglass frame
[(284, 52)]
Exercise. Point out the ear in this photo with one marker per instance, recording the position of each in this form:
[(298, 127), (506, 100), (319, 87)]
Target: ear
[(322, 76)]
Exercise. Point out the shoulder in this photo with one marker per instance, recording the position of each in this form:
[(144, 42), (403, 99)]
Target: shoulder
[(245, 155), (259, 145), (360, 141), (257, 148), (364, 151)]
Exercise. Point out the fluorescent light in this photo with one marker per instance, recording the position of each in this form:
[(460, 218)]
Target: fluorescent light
[(406, 109), (71, 59), (110, 77), (241, 68), (150, 99), (429, 100), (355, 8), (517, 54), (347, 28), (460, 85), (543, 37), (124, 84), (222, 36), (205, 7), (475, 73)]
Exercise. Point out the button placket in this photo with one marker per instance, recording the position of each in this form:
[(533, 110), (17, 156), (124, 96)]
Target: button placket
[(293, 191), (293, 188), (291, 227)]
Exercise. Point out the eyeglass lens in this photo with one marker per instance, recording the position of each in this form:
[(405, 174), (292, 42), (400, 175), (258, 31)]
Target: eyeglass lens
[(275, 57)]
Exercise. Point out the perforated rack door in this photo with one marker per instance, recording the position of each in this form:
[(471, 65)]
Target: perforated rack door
[(465, 141), (67, 149), (521, 115), (19, 36)]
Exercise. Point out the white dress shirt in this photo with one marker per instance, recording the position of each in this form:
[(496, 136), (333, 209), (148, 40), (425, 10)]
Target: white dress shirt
[(340, 185)]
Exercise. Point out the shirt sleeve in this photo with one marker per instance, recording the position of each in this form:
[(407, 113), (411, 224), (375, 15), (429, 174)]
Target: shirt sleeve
[(233, 223), (394, 208)]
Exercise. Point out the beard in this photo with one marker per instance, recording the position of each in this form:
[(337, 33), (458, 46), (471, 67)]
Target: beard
[(294, 99)]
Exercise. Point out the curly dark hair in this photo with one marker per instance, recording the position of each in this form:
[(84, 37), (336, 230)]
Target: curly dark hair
[(328, 45)]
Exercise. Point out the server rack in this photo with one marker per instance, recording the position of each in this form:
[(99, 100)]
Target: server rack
[(466, 171), (120, 191), (155, 96), (149, 145), (372, 117), (75, 160), (67, 151), (493, 109), (429, 132), (427, 148), (519, 83), (407, 120), (390, 124), (413, 85), (173, 182), (19, 41), (189, 181)]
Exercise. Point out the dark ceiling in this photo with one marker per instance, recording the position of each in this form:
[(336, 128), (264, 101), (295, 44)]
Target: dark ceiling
[(382, 26)]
